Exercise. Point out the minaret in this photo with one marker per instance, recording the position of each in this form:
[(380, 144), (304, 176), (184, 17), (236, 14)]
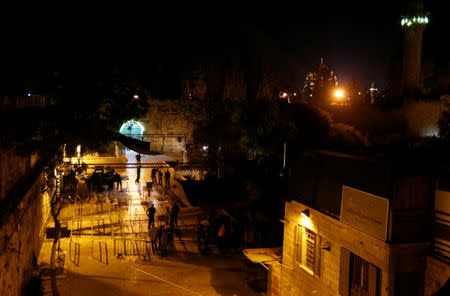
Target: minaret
[(414, 24)]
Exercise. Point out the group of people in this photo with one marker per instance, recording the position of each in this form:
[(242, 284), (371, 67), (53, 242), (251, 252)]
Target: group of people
[(162, 236), (159, 173), (155, 172)]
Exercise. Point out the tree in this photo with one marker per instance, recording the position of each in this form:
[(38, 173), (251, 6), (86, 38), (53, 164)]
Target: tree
[(264, 90), (234, 86), (56, 205), (199, 85), (186, 91), (92, 106)]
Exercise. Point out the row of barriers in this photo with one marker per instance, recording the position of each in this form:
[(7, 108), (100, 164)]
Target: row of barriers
[(132, 247), (122, 247)]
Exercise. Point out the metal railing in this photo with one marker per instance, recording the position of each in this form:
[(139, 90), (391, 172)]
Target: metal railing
[(102, 254), (75, 255)]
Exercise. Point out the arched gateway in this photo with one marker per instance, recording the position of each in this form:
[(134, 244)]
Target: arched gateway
[(133, 129)]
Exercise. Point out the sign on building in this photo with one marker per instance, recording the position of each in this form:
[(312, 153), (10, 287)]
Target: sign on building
[(365, 211)]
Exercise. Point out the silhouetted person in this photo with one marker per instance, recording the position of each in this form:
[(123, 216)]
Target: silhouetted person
[(174, 215), (151, 211), (167, 216), (167, 178), (164, 244), (118, 180), (154, 238), (160, 176), (154, 176), (138, 173)]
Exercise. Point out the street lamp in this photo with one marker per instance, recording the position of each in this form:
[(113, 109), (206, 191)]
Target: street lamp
[(338, 96), (79, 153)]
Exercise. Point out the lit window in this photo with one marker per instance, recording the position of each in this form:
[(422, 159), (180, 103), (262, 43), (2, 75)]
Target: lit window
[(307, 251)]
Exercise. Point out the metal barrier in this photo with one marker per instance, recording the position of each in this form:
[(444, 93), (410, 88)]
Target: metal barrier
[(75, 255), (102, 251), (132, 247), (101, 229), (138, 227), (76, 227)]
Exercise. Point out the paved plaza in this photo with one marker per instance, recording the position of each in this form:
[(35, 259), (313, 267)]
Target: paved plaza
[(109, 252)]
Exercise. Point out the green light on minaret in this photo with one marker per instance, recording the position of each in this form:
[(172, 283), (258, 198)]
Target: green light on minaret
[(412, 20)]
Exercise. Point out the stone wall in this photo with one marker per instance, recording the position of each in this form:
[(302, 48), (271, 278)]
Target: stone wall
[(22, 230), (169, 124), (12, 168), (295, 280)]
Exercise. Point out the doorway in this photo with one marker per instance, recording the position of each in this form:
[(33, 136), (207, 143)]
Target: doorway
[(133, 129)]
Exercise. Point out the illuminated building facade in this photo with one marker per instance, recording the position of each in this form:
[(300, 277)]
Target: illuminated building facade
[(414, 24), (360, 225)]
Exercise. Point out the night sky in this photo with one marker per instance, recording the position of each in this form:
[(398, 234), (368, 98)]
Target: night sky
[(160, 44)]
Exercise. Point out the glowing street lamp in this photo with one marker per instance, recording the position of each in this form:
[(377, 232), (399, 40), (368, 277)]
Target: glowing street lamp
[(79, 153), (339, 94)]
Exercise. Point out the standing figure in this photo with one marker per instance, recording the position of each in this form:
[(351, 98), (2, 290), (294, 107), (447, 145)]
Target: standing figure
[(154, 176), (151, 215), (118, 180), (174, 215), (167, 216), (154, 238), (164, 244), (138, 167), (221, 239), (138, 172), (160, 176), (167, 178)]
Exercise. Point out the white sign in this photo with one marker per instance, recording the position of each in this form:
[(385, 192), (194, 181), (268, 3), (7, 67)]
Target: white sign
[(365, 211)]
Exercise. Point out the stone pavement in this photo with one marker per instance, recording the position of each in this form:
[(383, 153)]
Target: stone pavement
[(109, 253)]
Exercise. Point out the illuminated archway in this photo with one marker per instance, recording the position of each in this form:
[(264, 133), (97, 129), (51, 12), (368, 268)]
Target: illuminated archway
[(133, 129)]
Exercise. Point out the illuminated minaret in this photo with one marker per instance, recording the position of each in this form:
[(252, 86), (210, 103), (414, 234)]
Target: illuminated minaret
[(414, 24)]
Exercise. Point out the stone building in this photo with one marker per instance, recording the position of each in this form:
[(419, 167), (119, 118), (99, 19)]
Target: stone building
[(363, 225)]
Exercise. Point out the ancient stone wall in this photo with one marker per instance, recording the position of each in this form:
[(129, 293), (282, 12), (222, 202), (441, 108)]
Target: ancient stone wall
[(12, 168), (22, 230), (169, 124)]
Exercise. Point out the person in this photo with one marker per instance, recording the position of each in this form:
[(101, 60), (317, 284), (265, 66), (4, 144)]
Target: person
[(138, 167), (148, 187), (174, 215), (151, 215), (138, 158), (167, 216), (221, 239), (154, 238), (202, 238), (160, 176), (167, 178), (154, 176), (118, 180), (138, 173), (164, 244)]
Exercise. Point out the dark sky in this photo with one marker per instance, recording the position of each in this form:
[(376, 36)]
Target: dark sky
[(157, 43)]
